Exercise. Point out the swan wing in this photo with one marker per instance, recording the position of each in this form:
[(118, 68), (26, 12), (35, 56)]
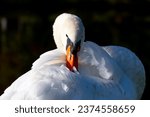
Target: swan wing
[(130, 64)]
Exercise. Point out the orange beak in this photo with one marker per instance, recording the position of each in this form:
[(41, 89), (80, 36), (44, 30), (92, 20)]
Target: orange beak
[(71, 59)]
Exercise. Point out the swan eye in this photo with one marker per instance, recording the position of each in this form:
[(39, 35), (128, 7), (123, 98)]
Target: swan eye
[(78, 43), (78, 46)]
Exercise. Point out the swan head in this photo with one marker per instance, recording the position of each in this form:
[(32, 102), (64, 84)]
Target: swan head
[(69, 35)]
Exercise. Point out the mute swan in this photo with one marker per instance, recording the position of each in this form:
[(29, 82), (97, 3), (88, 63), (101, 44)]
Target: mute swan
[(80, 70)]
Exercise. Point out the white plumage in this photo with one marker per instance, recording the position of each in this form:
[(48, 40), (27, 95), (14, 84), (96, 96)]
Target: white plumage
[(109, 72)]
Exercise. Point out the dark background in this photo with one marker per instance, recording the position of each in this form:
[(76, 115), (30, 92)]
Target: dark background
[(26, 30)]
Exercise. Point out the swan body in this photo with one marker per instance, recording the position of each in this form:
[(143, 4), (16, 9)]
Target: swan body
[(110, 72)]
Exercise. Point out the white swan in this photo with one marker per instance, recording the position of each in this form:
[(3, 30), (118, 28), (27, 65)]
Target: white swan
[(80, 70)]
